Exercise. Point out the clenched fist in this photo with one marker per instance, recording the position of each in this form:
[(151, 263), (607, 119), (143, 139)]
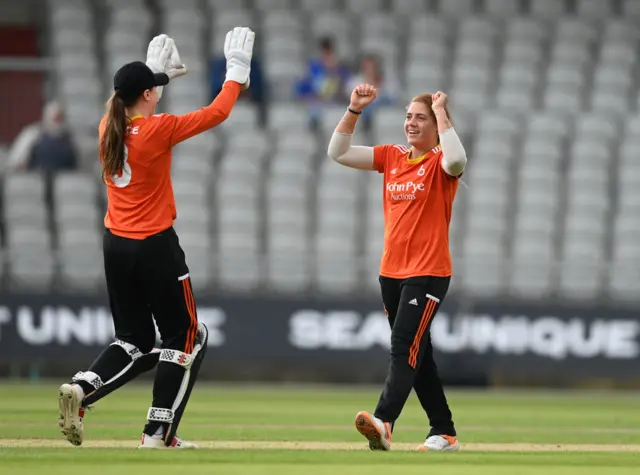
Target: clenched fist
[(439, 101), (362, 96)]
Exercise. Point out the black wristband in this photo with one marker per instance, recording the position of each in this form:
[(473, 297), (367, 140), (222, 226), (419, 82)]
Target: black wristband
[(353, 112)]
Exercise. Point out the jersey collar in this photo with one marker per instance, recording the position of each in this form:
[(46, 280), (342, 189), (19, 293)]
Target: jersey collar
[(135, 117), (429, 154)]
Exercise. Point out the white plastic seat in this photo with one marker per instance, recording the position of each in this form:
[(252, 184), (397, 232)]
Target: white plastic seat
[(525, 29), (456, 8), (594, 9), (576, 30), (502, 8), (268, 5), (524, 53), (288, 117), (408, 7), (547, 9)]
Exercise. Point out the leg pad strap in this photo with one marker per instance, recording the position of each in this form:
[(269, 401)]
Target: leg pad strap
[(160, 414), (178, 357), (132, 350), (88, 377)]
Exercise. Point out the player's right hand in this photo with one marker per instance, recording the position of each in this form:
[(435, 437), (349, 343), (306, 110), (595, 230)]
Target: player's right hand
[(362, 96), (238, 50)]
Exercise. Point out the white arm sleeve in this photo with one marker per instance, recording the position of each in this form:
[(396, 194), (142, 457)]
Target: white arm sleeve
[(354, 156), (454, 156)]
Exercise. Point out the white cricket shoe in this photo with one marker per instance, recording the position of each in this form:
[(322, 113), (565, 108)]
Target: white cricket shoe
[(440, 443), (157, 442), (71, 413), (377, 432)]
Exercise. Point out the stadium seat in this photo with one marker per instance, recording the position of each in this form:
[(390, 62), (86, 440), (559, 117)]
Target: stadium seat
[(503, 8), (594, 9), (81, 260), (456, 8), (548, 9), (409, 7)]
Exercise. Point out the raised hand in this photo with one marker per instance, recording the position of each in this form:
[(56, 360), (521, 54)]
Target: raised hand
[(439, 101), (362, 96), (175, 67), (238, 50)]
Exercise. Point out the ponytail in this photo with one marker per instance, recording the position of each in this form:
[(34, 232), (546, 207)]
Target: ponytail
[(112, 142)]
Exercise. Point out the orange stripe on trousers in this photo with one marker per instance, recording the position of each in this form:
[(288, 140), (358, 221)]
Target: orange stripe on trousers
[(424, 322), (191, 308), (194, 318)]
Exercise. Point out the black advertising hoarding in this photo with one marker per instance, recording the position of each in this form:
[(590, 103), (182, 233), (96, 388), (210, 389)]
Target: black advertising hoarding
[(342, 341)]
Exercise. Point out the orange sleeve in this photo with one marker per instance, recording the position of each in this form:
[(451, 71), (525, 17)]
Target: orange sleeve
[(101, 127), (380, 157), (177, 128)]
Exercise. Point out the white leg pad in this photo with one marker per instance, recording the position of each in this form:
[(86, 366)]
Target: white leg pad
[(185, 360), (89, 377), (160, 414), (181, 359), (132, 350)]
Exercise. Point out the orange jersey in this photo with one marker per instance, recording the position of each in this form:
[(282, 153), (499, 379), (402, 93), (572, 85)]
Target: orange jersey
[(141, 201), (417, 203)]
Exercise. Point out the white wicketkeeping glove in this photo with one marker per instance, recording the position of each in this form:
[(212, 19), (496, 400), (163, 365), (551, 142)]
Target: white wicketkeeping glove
[(158, 55), (238, 50), (176, 67)]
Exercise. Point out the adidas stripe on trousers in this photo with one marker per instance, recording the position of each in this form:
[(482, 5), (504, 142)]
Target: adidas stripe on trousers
[(411, 305)]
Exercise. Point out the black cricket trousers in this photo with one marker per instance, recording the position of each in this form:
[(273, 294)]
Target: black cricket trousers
[(149, 279), (411, 305)]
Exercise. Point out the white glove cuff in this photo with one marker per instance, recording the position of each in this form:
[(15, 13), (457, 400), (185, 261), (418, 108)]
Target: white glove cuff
[(237, 74), (154, 67)]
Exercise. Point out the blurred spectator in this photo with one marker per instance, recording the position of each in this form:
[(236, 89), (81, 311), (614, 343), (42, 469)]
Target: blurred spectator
[(324, 81), (370, 72), (46, 145), (257, 92)]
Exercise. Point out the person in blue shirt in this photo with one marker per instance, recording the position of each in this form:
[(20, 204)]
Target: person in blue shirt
[(324, 81)]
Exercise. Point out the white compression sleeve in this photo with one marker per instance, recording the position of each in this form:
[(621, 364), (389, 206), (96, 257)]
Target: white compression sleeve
[(454, 156), (354, 156)]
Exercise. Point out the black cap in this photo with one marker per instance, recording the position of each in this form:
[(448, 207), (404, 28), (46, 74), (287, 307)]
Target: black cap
[(134, 78)]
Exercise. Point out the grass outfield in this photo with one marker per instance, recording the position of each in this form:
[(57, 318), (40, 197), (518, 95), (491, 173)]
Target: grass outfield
[(309, 430)]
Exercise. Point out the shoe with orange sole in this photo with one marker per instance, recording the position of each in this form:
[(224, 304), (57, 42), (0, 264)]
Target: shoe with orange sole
[(377, 432), (440, 443)]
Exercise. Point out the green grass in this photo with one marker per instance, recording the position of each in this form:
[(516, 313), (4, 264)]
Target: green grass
[(321, 414)]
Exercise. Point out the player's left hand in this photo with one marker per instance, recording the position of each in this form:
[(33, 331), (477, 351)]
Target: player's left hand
[(175, 67), (439, 101), (159, 52)]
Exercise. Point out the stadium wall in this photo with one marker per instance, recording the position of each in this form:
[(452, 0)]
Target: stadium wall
[(278, 339)]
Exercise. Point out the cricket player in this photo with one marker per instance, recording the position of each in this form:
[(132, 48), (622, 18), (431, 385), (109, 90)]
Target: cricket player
[(145, 267), (420, 184)]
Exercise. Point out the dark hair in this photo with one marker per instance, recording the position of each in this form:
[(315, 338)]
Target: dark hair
[(326, 43), (112, 141)]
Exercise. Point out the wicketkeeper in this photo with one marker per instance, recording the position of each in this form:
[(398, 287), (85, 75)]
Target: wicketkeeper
[(146, 272)]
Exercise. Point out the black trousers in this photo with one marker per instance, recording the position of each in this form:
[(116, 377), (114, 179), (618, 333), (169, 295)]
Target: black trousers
[(149, 280), (411, 304)]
